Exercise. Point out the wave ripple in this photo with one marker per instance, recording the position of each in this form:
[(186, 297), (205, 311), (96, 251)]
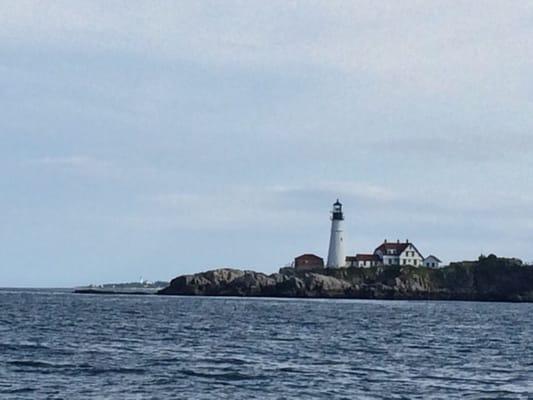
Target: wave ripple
[(128, 347)]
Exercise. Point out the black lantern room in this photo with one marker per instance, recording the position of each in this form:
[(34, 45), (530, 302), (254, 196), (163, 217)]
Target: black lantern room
[(337, 211)]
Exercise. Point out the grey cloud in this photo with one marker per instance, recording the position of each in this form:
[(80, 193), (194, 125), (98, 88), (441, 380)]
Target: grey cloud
[(183, 129), (460, 146), (83, 165)]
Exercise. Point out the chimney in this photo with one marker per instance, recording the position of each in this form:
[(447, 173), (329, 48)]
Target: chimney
[(385, 240), (406, 240), (398, 241)]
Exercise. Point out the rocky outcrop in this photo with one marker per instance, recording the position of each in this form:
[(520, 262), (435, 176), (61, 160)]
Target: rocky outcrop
[(489, 278), (234, 282)]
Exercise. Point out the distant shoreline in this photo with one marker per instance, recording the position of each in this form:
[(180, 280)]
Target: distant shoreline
[(112, 292)]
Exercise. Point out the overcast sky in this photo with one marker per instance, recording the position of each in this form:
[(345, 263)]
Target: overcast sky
[(156, 138)]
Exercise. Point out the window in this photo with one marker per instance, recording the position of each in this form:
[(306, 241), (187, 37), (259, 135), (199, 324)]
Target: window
[(390, 261), (404, 261), (416, 262)]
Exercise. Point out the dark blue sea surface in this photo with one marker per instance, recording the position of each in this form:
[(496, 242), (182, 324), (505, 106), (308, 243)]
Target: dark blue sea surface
[(58, 345)]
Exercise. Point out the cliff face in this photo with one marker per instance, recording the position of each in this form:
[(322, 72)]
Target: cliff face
[(490, 278), (234, 282)]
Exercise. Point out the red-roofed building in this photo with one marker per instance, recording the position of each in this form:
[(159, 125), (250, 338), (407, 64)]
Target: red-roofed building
[(389, 253), (363, 260), (308, 262), (399, 253)]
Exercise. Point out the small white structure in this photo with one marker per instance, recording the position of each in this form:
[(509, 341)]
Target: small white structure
[(336, 253), (432, 262)]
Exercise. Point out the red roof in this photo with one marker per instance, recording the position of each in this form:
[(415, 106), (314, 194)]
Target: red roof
[(397, 247), (363, 257), (308, 256), (367, 257)]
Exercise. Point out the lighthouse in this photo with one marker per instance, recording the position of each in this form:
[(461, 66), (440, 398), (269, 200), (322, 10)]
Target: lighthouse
[(336, 255)]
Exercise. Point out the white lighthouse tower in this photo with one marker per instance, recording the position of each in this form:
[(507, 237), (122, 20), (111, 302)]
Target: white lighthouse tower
[(336, 254)]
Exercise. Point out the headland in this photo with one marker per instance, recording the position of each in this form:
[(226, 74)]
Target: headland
[(489, 278)]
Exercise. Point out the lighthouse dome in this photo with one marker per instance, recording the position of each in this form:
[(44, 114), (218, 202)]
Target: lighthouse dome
[(337, 210)]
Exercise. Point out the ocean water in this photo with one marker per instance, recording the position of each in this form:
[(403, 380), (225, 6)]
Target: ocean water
[(58, 345)]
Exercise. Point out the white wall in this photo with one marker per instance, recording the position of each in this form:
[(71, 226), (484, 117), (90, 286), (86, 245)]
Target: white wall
[(431, 262), (411, 257), (336, 253), (387, 260)]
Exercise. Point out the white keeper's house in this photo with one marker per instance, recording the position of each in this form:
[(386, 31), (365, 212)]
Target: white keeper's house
[(393, 253)]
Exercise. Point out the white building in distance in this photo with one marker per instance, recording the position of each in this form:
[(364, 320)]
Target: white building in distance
[(432, 262)]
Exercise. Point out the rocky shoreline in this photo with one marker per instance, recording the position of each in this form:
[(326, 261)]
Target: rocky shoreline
[(488, 279)]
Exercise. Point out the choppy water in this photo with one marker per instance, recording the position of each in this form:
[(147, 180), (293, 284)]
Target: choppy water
[(61, 345)]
